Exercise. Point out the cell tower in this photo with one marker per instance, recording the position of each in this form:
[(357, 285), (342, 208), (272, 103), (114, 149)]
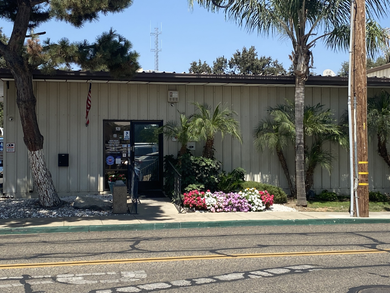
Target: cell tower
[(156, 49)]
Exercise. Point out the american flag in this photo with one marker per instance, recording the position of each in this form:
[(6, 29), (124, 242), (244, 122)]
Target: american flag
[(88, 106)]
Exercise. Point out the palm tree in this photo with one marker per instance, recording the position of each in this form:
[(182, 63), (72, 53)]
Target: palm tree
[(378, 119), (180, 132), (206, 124), (304, 23), (276, 132), (319, 126)]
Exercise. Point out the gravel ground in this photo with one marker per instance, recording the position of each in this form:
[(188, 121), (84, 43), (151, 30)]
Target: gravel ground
[(29, 208)]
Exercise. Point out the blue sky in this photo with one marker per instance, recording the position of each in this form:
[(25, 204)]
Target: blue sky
[(187, 35)]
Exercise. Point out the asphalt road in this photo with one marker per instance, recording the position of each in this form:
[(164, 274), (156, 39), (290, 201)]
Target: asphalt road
[(332, 258)]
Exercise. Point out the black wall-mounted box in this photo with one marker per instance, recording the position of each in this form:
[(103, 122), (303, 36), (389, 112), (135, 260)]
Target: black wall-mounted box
[(63, 160)]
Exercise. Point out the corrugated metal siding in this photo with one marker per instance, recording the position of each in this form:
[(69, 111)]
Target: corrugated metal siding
[(61, 117), (380, 73)]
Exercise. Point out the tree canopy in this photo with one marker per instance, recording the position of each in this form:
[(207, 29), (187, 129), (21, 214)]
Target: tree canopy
[(242, 62), (110, 52)]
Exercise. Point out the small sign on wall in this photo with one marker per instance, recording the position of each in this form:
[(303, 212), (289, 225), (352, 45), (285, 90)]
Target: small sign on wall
[(191, 145), (10, 147)]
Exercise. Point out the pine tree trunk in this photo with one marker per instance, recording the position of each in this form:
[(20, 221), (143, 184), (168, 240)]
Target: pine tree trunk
[(299, 141), (47, 194), (33, 139)]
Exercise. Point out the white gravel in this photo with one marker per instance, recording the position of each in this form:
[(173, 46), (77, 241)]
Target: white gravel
[(30, 208), (280, 208)]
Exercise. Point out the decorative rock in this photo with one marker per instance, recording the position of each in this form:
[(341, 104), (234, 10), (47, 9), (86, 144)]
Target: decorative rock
[(91, 203)]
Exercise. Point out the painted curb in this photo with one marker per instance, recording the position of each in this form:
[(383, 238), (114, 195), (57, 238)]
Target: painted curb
[(191, 225)]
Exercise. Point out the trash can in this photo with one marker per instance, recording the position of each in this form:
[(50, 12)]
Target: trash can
[(119, 198)]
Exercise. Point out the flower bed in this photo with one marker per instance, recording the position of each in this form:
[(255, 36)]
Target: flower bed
[(247, 200)]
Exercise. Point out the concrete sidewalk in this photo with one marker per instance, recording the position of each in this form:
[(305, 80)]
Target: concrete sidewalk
[(160, 213)]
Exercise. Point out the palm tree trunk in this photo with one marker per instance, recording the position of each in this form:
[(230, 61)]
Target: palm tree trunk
[(208, 149), (33, 139), (283, 162), (299, 141), (382, 150), (309, 177), (183, 149)]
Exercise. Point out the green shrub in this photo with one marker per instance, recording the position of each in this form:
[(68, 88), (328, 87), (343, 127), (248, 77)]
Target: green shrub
[(378, 196), (206, 172), (327, 196), (232, 181), (279, 195), (194, 187), (195, 172)]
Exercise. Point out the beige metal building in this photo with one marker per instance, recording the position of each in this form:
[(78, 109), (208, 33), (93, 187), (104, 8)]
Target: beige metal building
[(125, 112), (380, 71)]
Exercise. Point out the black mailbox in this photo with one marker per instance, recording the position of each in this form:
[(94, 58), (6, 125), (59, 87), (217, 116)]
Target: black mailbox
[(63, 160)]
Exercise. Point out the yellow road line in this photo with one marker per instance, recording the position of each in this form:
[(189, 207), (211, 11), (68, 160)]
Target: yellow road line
[(186, 258)]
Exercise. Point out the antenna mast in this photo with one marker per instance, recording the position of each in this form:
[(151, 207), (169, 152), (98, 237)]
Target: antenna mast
[(156, 49)]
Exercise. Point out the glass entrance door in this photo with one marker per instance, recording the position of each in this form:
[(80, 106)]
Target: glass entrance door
[(116, 136), (129, 144), (146, 153)]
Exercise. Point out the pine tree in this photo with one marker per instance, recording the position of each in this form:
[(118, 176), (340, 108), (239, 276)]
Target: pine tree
[(110, 52)]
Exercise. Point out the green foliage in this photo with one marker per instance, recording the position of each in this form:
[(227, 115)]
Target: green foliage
[(206, 171), (344, 70), (247, 62), (230, 182), (326, 195), (378, 119), (279, 195), (179, 131), (111, 51), (242, 62), (200, 67), (195, 172), (377, 196), (206, 123), (194, 187)]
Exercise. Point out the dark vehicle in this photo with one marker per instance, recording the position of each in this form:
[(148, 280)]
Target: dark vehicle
[(146, 159)]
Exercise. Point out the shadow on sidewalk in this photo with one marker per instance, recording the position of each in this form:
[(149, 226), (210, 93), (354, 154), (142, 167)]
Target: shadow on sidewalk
[(148, 210)]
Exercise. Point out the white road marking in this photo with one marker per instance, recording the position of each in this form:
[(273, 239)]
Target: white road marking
[(203, 280), (155, 286), (278, 271), (262, 273), (229, 277), (181, 283), (301, 267), (126, 289), (10, 285)]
